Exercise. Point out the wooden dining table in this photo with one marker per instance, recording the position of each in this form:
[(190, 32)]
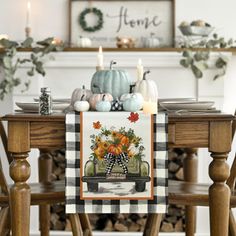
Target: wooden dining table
[(212, 131)]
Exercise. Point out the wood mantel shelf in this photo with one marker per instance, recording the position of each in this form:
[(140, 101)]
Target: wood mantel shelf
[(164, 49)]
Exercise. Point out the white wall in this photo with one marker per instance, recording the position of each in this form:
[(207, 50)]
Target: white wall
[(50, 18)]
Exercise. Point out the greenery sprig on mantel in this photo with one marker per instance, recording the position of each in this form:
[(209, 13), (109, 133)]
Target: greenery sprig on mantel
[(197, 60), (11, 62)]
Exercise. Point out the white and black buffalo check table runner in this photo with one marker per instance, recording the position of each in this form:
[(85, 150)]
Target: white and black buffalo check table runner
[(116, 162)]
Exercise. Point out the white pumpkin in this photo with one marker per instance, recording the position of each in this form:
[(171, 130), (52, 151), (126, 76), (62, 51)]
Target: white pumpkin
[(79, 93), (84, 42), (147, 88), (81, 106), (133, 150), (152, 42)]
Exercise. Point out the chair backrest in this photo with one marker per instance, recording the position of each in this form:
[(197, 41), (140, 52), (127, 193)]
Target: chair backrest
[(232, 178), (3, 182)]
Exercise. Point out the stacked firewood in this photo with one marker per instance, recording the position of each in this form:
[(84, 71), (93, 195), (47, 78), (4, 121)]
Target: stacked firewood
[(173, 221)]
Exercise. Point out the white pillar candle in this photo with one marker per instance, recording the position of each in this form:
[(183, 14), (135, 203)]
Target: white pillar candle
[(140, 70), (100, 58), (150, 107), (28, 14)]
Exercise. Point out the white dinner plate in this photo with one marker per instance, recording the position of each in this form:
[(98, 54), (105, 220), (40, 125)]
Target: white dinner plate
[(34, 106), (186, 105), (57, 100), (175, 99)]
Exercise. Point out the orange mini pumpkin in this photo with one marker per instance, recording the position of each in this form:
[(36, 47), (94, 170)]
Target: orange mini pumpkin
[(124, 141), (115, 149)]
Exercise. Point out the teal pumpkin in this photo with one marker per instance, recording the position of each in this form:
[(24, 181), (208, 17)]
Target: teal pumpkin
[(139, 96), (115, 82), (132, 104), (103, 106)]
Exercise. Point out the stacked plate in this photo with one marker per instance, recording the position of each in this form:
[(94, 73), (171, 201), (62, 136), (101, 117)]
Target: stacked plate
[(58, 105), (186, 105)]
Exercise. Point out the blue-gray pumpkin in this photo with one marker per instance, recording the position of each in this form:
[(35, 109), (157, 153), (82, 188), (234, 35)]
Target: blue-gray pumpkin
[(103, 106), (115, 82), (132, 104)]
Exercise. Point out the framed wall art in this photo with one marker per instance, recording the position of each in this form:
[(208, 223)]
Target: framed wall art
[(105, 22)]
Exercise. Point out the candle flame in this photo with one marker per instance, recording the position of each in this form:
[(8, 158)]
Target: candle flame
[(140, 61), (29, 5)]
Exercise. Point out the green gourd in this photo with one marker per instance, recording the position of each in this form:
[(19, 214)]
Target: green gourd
[(115, 82), (103, 106), (132, 104)]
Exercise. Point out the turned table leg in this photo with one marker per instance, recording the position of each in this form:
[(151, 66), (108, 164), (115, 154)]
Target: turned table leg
[(190, 175), (19, 146), (45, 172), (20, 195), (219, 192)]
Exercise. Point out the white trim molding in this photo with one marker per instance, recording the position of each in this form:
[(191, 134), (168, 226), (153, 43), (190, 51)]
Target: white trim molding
[(127, 59)]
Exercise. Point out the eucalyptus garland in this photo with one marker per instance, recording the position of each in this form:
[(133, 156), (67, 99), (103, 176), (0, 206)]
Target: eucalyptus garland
[(10, 62), (83, 22)]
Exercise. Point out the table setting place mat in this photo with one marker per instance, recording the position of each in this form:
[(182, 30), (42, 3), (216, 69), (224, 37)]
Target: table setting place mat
[(116, 162)]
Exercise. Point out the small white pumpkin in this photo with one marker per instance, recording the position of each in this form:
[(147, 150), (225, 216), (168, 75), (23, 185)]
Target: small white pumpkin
[(95, 98), (152, 42), (147, 88), (84, 42), (139, 96), (81, 105), (104, 105), (78, 94)]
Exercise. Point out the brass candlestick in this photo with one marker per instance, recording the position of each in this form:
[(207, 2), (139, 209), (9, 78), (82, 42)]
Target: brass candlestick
[(98, 68), (27, 32)]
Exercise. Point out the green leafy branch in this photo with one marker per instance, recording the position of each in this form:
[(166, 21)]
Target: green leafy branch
[(197, 60), (11, 63)]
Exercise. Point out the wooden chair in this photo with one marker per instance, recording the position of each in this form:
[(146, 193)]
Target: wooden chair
[(192, 194), (42, 194)]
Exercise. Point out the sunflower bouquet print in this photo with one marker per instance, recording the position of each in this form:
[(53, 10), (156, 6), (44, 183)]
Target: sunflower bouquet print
[(116, 147), (119, 152)]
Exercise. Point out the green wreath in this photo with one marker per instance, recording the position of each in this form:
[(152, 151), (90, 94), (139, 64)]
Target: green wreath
[(83, 22)]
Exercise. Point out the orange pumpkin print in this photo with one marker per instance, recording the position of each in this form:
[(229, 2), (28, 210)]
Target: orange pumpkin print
[(115, 149), (124, 141), (103, 145)]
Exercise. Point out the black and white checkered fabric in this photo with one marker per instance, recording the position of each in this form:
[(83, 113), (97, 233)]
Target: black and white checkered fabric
[(73, 202)]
